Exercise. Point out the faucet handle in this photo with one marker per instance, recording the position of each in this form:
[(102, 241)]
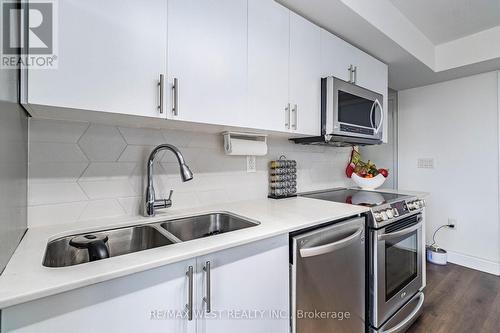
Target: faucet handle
[(170, 195)]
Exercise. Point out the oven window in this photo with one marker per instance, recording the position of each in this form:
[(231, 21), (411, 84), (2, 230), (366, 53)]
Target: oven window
[(400, 263), (355, 110)]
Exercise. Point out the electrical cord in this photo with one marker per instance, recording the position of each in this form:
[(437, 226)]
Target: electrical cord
[(435, 232)]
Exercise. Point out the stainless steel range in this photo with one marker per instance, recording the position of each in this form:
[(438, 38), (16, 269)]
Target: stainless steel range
[(395, 255)]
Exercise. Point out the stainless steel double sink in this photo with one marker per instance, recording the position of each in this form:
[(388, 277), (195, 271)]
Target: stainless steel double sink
[(62, 252)]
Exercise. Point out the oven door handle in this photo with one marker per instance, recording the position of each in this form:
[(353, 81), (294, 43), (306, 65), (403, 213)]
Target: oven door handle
[(327, 248), (402, 325), (405, 231)]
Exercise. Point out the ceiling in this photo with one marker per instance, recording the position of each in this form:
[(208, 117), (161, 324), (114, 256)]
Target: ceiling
[(403, 33), (445, 20)]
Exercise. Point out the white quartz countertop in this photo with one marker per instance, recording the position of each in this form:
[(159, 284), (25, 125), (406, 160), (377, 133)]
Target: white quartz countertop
[(26, 279)]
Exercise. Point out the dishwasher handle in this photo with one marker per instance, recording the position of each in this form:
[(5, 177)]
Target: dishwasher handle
[(331, 247)]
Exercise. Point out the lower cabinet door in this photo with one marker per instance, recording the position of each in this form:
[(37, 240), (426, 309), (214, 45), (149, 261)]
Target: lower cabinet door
[(245, 290), (151, 301)]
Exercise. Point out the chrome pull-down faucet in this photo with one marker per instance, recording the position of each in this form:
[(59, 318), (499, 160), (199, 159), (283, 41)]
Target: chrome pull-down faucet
[(151, 204)]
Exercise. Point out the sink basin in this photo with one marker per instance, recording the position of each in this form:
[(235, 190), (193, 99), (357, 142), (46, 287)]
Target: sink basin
[(194, 227), (61, 253), (100, 244)]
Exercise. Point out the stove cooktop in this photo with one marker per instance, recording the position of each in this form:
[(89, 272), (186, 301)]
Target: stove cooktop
[(356, 197)]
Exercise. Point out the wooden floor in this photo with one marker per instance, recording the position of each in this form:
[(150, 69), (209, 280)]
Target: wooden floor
[(459, 299)]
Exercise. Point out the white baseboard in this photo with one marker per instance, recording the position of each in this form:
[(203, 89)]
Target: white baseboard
[(474, 263)]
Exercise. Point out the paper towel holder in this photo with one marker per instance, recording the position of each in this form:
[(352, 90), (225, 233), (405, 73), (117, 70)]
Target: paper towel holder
[(255, 138)]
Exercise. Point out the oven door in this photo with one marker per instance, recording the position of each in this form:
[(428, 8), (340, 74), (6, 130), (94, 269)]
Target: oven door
[(357, 111), (397, 266)]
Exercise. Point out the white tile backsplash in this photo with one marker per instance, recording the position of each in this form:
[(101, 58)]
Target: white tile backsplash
[(55, 152), (108, 170), (53, 193), (113, 188), (57, 131), (81, 171), (102, 143), (102, 209), (138, 136), (48, 172), (56, 214)]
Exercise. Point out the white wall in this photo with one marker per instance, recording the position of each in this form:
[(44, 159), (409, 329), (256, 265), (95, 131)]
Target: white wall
[(81, 171), (456, 124)]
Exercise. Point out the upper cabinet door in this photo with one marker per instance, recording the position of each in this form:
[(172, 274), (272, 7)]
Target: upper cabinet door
[(110, 57), (336, 56), (268, 52), (207, 59), (305, 75), (371, 73)]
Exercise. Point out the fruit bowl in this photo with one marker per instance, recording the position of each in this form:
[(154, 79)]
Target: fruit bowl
[(368, 183)]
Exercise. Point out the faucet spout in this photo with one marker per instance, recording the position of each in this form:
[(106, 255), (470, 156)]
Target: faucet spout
[(151, 203)]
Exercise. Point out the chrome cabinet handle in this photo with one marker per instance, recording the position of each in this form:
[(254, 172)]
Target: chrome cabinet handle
[(355, 74), (327, 248), (403, 325), (189, 305), (294, 111), (161, 86), (350, 73), (175, 102), (208, 298), (287, 116)]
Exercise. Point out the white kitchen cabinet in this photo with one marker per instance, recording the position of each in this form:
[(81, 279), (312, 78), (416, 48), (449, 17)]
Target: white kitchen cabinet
[(305, 75), (131, 304), (244, 280), (207, 56), (370, 73), (250, 280), (110, 57), (236, 63), (268, 53), (337, 56)]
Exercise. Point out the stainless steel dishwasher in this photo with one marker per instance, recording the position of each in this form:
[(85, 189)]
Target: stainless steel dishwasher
[(328, 278)]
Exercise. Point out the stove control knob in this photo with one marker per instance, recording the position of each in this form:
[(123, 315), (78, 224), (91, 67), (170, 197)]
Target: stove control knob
[(384, 215), (395, 212), (411, 205), (422, 203), (377, 216), (389, 213)]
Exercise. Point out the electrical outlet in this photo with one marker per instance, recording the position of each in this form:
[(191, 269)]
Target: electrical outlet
[(452, 221), (251, 164), (425, 163)]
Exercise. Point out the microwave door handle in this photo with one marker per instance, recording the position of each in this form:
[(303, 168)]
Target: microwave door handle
[(377, 103), (327, 248), (395, 234), (371, 114), (402, 325)]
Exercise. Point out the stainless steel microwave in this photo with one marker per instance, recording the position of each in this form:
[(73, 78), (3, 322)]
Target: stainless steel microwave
[(350, 115)]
